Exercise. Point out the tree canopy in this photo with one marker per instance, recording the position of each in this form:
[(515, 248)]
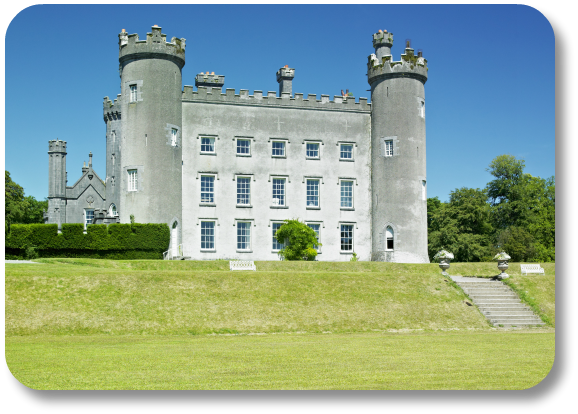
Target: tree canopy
[(514, 213), (300, 241), (18, 208)]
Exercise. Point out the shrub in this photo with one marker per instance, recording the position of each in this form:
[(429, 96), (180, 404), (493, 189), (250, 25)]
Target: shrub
[(299, 239)]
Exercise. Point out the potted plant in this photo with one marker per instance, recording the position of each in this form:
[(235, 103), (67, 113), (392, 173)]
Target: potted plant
[(444, 258), (502, 259)]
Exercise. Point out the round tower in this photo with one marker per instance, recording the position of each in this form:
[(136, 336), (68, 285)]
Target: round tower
[(151, 128), (56, 182), (398, 160)]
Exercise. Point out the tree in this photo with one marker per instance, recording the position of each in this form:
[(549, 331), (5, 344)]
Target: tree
[(518, 243), (299, 239), (14, 203), (34, 210), (461, 226)]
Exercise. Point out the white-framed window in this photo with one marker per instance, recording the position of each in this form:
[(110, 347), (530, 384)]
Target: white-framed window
[(277, 148), (243, 147), (207, 188), (243, 235), (347, 237), (244, 191), (278, 191), (317, 229), (207, 235), (389, 148), (174, 134), (208, 145), (312, 150), (275, 244), (312, 193), (112, 210), (346, 151), (133, 91), (346, 194), (388, 238), (88, 216), (132, 180)]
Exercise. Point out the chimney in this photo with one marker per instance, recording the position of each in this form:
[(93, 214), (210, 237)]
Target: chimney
[(285, 77)]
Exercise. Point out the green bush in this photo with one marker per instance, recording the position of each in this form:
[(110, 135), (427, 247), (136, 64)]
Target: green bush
[(115, 241), (300, 241)]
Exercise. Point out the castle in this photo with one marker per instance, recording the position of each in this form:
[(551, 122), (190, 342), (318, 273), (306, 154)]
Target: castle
[(224, 170)]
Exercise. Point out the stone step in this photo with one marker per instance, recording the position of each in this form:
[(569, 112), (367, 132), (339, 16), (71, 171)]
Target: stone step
[(487, 290), (496, 295), (516, 322), (518, 325), (520, 308), (514, 317), (520, 312)]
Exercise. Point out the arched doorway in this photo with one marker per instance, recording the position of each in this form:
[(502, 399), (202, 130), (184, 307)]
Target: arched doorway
[(175, 239)]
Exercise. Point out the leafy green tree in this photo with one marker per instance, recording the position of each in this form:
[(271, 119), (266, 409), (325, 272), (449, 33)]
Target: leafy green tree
[(522, 201), (34, 210), (518, 243), (461, 226), (14, 203), (299, 239)]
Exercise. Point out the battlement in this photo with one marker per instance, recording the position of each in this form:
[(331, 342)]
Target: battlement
[(382, 38), (155, 46), (212, 80), (214, 95), (56, 145), (410, 66), (111, 110)]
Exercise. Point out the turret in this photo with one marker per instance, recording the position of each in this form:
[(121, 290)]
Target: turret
[(285, 77), (398, 174), (56, 182), (150, 184), (210, 80), (112, 117)]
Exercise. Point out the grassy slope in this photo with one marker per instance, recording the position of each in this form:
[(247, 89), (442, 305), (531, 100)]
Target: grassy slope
[(442, 360), (83, 296)]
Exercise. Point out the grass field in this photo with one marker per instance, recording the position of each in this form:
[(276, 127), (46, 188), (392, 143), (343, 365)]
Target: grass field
[(102, 324), (474, 360)]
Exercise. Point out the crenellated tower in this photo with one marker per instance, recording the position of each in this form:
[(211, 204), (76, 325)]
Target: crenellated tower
[(112, 118), (150, 183), (56, 182), (398, 160)]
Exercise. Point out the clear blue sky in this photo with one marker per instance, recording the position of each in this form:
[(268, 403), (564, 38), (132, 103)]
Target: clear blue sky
[(490, 89)]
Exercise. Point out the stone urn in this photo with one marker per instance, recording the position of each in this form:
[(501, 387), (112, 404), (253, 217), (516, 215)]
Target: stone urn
[(444, 257), (502, 259)]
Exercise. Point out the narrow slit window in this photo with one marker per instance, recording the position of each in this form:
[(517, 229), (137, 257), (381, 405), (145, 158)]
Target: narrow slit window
[(174, 134), (389, 238), (133, 91), (389, 148), (132, 180)]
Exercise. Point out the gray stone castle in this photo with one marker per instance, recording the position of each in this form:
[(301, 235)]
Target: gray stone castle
[(224, 170)]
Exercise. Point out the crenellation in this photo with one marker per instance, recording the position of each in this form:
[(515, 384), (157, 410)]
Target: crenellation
[(339, 103), (155, 46)]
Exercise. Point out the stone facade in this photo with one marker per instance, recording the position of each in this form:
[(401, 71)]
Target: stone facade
[(223, 170)]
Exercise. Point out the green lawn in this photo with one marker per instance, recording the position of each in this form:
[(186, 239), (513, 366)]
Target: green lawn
[(104, 324), (464, 360)]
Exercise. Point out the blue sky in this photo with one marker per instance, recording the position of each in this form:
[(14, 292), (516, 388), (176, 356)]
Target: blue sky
[(490, 89)]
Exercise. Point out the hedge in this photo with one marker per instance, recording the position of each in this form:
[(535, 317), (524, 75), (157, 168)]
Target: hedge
[(115, 241)]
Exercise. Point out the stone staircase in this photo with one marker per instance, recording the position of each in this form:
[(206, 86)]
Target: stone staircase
[(498, 302)]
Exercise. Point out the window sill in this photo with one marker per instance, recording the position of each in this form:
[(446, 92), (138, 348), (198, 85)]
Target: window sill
[(244, 251), (346, 252), (244, 206), (208, 250), (346, 159), (278, 156), (313, 208), (347, 208), (208, 153), (243, 155), (279, 207), (313, 158), (208, 204)]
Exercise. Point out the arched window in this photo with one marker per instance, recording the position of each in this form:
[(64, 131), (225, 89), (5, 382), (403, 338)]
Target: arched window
[(388, 238), (112, 211)]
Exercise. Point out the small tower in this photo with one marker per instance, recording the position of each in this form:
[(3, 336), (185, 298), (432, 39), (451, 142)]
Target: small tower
[(112, 117), (285, 77), (210, 81), (398, 162), (57, 182), (151, 128)]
